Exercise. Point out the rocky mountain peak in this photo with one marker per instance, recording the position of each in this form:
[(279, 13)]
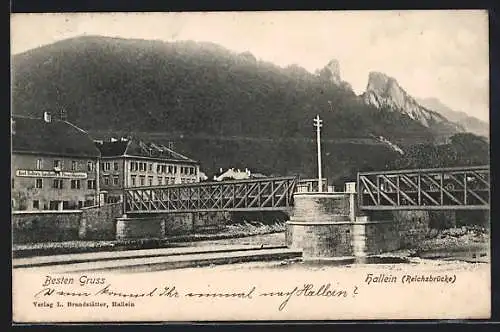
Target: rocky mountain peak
[(383, 91), (380, 83), (387, 87), (334, 68), (331, 72)]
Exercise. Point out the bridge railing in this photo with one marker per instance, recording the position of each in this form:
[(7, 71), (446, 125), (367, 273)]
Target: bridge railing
[(454, 188), (241, 195)]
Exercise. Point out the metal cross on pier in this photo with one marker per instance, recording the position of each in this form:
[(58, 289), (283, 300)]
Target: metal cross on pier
[(318, 124)]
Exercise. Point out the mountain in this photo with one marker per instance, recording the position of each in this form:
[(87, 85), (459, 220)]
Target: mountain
[(470, 123), (331, 73), (223, 108), (383, 91)]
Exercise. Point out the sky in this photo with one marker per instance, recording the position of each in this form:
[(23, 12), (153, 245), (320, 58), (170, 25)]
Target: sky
[(441, 54)]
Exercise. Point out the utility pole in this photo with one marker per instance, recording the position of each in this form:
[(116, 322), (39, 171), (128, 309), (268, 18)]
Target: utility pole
[(318, 125)]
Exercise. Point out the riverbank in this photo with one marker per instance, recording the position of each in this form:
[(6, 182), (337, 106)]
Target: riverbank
[(240, 233)]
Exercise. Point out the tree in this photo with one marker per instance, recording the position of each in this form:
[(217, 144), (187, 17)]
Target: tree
[(464, 149)]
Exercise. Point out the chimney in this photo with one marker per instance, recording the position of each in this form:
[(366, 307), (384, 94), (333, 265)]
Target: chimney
[(47, 117), (113, 139), (171, 145), (220, 170)]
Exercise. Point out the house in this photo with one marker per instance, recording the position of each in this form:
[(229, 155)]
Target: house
[(54, 165), (236, 174), (130, 162)]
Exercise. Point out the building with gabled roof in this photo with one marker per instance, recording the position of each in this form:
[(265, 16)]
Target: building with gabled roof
[(54, 165), (131, 162)]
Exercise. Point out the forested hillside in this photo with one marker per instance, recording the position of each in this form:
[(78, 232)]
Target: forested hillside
[(222, 108)]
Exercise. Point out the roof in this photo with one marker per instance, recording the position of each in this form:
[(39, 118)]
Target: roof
[(57, 137), (137, 148)]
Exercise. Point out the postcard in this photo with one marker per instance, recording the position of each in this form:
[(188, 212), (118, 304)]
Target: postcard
[(249, 166)]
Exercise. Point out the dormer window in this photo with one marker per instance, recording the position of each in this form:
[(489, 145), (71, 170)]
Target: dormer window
[(57, 165)]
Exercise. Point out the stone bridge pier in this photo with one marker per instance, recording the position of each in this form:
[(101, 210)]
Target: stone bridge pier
[(329, 224)]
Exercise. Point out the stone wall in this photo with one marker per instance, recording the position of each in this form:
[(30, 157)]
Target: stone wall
[(154, 227), (30, 226), (99, 222), (474, 217), (93, 223), (265, 217), (381, 236), (320, 225), (177, 223), (325, 207), (139, 228), (320, 240), (412, 227), (210, 221)]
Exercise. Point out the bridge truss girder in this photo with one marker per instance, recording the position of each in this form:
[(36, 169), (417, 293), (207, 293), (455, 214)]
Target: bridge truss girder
[(269, 194), (460, 188)]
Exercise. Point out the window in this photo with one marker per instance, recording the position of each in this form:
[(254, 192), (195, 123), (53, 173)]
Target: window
[(74, 165), (75, 184), (88, 202), (39, 164), (150, 180), (54, 205), (160, 181), (108, 166), (142, 179), (106, 180), (39, 183), (36, 204), (80, 204), (115, 166), (150, 167), (57, 184), (131, 166), (175, 169), (90, 166), (58, 164), (91, 184), (115, 180), (158, 168), (133, 181)]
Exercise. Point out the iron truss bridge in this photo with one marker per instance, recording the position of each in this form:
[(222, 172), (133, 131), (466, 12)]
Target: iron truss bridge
[(269, 194), (465, 188)]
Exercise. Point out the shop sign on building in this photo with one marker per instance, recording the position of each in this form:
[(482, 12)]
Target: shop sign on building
[(50, 174)]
